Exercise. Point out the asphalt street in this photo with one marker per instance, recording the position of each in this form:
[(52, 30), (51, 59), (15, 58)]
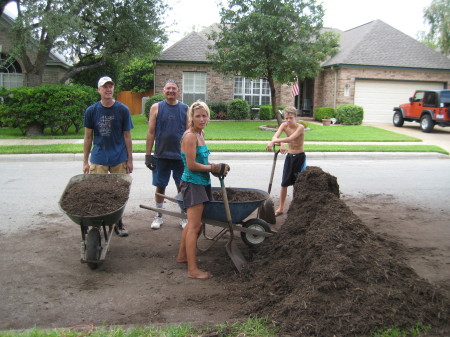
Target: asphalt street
[(32, 185)]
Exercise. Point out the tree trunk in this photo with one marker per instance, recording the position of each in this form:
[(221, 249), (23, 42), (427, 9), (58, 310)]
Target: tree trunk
[(35, 129), (273, 96)]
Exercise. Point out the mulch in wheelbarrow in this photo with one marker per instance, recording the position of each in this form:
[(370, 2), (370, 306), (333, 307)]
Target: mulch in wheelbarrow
[(94, 197), (326, 274)]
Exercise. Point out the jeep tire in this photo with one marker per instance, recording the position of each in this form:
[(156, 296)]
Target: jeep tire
[(398, 119), (426, 123)]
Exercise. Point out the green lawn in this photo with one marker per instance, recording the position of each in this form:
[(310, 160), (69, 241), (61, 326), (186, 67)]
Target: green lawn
[(246, 131), (234, 130)]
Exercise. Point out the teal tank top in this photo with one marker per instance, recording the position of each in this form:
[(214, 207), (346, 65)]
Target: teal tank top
[(201, 157)]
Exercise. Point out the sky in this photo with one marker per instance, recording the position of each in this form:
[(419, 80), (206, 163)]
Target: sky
[(404, 15)]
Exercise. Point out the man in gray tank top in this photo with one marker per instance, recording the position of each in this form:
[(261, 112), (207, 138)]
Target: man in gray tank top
[(166, 125)]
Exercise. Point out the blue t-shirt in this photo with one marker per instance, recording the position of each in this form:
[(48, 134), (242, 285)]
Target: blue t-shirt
[(108, 125), (195, 177), (170, 126)]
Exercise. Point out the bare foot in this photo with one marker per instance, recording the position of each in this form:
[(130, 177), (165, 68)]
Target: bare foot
[(278, 212), (181, 259), (199, 274)]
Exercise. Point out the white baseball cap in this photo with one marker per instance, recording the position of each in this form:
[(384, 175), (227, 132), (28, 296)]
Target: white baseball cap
[(103, 80)]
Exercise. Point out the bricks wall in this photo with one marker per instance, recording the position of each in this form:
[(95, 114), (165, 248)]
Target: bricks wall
[(330, 81), (219, 88)]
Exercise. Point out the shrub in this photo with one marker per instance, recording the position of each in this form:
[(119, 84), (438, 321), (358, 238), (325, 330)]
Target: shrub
[(265, 112), (349, 114), (153, 99), (238, 109), (218, 110), (53, 106), (324, 113)]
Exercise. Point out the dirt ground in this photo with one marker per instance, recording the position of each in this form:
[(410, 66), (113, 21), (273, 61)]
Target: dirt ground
[(336, 265)]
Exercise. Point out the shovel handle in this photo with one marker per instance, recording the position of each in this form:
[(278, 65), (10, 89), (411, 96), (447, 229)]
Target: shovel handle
[(227, 207), (276, 152)]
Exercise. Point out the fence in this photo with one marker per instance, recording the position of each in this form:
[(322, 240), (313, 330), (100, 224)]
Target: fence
[(133, 100)]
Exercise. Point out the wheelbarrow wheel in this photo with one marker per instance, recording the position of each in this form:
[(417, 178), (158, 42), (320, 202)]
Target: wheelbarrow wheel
[(252, 240), (93, 247)]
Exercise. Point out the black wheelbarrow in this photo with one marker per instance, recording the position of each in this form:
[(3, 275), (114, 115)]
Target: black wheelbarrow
[(96, 231), (230, 216)]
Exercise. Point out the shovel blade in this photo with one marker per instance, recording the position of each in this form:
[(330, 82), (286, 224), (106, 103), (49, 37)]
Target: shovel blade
[(266, 212), (235, 255)]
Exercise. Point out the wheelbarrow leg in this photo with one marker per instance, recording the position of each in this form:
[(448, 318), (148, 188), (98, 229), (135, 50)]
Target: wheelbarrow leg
[(232, 249)]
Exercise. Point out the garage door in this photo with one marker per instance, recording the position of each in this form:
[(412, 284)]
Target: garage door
[(379, 97)]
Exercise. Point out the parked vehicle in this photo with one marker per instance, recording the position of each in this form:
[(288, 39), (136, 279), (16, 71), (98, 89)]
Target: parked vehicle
[(427, 107)]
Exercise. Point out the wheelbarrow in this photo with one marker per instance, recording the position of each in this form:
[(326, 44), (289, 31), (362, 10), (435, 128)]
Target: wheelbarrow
[(96, 231), (230, 216)]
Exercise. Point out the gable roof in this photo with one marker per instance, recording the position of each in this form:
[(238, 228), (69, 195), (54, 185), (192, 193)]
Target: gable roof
[(374, 44), (378, 44), (53, 60), (190, 49)]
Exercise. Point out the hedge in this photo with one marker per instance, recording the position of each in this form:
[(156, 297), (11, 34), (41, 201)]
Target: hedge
[(53, 106)]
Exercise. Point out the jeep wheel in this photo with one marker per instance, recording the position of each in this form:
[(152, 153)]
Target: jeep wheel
[(397, 119), (426, 123)]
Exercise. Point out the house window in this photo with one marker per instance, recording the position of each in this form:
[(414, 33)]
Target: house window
[(255, 92), (194, 87), (10, 72)]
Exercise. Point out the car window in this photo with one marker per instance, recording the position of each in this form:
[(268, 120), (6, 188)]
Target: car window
[(418, 96)]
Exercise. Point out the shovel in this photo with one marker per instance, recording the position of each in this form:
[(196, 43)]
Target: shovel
[(266, 211), (232, 249)]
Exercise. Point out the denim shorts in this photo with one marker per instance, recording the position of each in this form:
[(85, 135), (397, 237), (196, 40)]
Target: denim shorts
[(163, 169)]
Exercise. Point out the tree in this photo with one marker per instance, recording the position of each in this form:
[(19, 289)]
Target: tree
[(272, 39), (138, 76), (86, 32), (438, 17)]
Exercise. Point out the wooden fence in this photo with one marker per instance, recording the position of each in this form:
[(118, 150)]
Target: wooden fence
[(133, 100)]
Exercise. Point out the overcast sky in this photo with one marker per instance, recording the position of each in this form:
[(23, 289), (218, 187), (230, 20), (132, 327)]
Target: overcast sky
[(404, 15)]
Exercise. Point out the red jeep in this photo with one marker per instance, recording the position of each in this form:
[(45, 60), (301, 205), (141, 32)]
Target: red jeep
[(427, 107)]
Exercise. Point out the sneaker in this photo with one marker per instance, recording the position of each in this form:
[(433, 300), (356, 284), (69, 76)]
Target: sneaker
[(183, 222), (157, 222), (120, 229)]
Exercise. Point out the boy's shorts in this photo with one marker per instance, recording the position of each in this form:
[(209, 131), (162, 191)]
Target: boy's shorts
[(293, 165), (163, 168), (194, 194)]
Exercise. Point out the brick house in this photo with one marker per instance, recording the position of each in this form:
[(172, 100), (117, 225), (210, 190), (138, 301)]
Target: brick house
[(13, 74), (377, 67)]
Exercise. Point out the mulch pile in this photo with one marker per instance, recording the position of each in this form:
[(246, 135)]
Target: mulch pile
[(326, 274), (97, 195), (238, 195)]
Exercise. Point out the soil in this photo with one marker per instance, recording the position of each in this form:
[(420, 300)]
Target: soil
[(336, 266), (106, 195)]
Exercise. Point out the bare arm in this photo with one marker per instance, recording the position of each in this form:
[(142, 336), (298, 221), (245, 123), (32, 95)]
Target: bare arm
[(87, 145), (275, 139), (129, 146), (293, 137), (151, 129)]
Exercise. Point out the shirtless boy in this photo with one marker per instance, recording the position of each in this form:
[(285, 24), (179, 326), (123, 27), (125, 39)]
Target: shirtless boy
[(295, 161)]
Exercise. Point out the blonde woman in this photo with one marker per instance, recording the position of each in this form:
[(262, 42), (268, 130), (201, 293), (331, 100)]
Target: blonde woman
[(195, 185)]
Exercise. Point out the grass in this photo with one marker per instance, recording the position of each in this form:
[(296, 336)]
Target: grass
[(243, 131), (228, 147), (233, 130), (252, 327)]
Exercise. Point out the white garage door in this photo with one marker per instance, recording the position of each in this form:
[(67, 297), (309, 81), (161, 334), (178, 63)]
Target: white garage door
[(378, 98)]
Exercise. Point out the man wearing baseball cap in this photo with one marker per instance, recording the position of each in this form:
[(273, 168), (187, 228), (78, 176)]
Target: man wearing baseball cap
[(108, 127)]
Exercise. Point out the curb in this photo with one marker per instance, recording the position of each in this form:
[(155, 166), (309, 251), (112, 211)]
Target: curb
[(58, 157)]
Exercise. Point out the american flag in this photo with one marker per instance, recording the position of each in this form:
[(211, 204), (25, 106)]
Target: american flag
[(295, 89)]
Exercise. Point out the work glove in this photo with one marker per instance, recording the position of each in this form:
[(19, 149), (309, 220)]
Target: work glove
[(149, 162), (220, 170)]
